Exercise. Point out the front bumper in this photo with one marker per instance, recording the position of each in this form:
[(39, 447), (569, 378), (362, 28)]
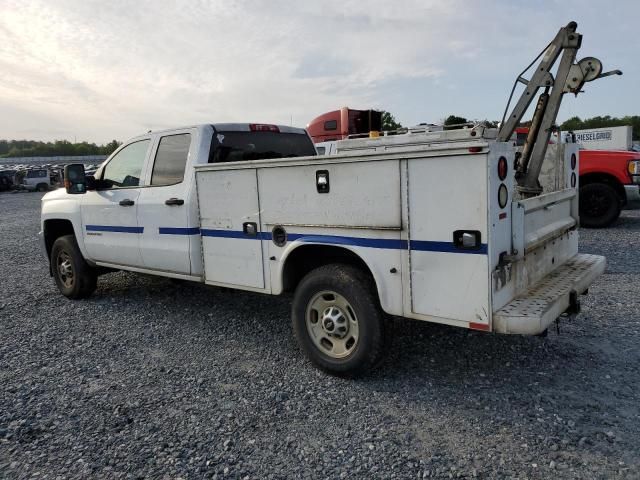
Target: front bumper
[(633, 196), (533, 312)]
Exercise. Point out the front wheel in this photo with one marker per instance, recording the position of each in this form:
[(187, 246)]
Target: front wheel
[(74, 277), (338, 321), (599, 205)]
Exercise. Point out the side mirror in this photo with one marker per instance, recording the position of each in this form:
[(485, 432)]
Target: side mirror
[(75, 180)]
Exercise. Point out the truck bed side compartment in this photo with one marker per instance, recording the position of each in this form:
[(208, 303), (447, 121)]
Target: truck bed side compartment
[(228, 203)]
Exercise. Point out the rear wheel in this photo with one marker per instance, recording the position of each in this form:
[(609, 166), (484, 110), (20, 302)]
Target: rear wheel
[(338, 321), (73, 275), (599, 205), (42, 187)]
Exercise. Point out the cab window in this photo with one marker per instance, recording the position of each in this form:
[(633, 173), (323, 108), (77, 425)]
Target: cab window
[(125, 169), (171, 159), (233, 146), (36, 174), (331, 125)]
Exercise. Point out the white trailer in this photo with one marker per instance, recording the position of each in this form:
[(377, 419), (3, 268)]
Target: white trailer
[(447, 227), (610, 138)]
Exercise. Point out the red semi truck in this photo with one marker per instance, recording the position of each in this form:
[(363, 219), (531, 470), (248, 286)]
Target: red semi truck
[(343, 123)]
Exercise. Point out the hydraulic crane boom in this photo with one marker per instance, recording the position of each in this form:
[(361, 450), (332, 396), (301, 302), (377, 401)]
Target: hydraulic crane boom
[(570, 77)]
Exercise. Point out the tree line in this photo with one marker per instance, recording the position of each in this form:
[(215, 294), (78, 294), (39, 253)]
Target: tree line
[(34, 148), (574, 123)]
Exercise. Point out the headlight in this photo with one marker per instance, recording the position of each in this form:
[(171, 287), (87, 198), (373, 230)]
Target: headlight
[(634, 170)]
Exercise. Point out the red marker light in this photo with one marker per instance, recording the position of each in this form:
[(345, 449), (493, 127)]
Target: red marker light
[(502, 168), (479, 326), (263, 127), (475, 149)]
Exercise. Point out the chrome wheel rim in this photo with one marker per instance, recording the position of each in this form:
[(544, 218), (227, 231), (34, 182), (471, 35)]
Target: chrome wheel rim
[(65, 269), (332, 324)]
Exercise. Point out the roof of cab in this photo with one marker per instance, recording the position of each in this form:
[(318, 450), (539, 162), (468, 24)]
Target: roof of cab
[(246, 127), (226, 127), (221, 127)]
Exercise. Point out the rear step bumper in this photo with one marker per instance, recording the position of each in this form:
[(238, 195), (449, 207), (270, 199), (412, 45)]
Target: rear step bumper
[(532, 312)]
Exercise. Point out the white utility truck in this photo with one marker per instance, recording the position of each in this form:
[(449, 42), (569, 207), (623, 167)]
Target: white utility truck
[(447, 227)]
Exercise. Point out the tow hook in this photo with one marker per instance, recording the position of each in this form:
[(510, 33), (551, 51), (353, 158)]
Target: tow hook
[(574, 303), (572, 310)]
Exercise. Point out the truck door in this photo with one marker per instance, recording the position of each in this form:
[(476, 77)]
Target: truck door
[(165, 206), (109, 215), (230, 228)]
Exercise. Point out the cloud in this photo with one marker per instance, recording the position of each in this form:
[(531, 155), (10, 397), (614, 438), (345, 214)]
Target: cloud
[(101, 70)]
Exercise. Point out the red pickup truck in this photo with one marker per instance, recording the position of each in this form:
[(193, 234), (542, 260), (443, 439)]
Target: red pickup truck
[(609, 181)]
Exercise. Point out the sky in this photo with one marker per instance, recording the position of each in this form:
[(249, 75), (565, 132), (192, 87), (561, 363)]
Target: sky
[(85, 70)]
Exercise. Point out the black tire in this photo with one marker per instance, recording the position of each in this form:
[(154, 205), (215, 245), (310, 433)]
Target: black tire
[(599, 205), (73, 275), (42, 187), (358, 289)]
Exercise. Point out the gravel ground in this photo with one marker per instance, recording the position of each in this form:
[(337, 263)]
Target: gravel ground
[(152, 379)]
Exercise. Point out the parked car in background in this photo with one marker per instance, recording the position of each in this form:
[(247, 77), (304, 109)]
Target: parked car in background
[(5, 183), (10, 174), (37, 179)]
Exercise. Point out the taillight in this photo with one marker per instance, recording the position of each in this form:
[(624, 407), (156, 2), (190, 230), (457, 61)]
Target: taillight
[(503, 196), (502, 168), (263, 127)]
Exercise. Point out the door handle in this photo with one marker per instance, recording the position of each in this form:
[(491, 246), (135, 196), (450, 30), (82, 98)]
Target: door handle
[(126, 202), (174, 201)]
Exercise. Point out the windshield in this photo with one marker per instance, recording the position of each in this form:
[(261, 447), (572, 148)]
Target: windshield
[(233, 146)]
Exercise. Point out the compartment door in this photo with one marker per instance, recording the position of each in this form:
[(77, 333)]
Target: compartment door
[(230, 228), (448, 194)]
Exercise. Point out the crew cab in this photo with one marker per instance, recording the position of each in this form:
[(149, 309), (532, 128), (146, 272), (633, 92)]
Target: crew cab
[(140, 209)]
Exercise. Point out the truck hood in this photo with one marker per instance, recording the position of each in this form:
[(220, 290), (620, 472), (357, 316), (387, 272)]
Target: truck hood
[(56, 194)]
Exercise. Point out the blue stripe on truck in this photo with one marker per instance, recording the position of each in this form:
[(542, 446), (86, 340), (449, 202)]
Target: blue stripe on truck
[(113, 228), (384, 243), (179, 231), (444, 247), (392, 244)]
